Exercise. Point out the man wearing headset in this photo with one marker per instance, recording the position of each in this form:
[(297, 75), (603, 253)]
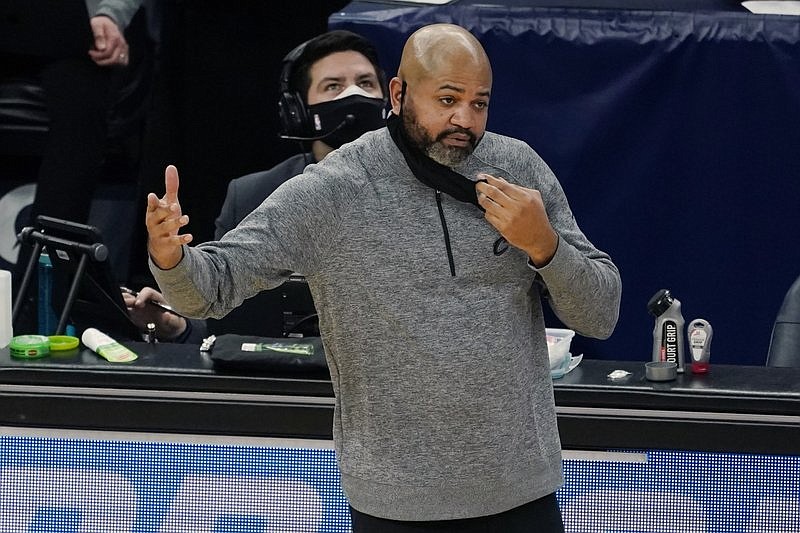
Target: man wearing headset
[(332, 90)]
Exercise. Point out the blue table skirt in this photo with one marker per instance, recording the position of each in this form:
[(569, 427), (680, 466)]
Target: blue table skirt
[(676, 135)]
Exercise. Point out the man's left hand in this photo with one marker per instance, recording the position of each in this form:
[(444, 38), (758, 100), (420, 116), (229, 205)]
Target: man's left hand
[(519, 215), (110, 46)]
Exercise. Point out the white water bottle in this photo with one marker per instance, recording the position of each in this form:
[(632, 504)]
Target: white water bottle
[(6, 327)]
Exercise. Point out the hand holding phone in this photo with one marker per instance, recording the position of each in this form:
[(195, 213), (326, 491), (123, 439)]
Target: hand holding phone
[(147, 310), (156, 303)]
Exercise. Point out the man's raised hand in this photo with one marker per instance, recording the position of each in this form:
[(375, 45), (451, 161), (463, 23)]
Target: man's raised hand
[(163, 220)]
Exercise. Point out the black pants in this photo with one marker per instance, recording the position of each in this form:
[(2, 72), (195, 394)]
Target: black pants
[(77, 95), (78, 98), (538, 516)]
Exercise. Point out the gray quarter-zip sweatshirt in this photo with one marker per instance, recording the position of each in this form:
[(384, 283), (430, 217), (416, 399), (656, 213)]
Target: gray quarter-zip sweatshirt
[(444, 402)]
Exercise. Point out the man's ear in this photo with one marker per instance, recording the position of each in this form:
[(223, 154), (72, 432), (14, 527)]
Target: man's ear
[(395, 94)]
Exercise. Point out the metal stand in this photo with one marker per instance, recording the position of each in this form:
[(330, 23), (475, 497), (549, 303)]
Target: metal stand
[(93, 252)]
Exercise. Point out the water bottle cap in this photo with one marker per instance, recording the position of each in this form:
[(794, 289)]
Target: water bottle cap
[(63, 342), (660, 302)]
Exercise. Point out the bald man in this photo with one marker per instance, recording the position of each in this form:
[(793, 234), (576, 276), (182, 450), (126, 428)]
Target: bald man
[(429, 246)]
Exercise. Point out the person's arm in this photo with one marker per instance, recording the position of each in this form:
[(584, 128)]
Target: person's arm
[(583, 288), (291, 231), (119, 11)]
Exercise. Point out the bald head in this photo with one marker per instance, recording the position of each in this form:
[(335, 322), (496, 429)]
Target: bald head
[(442, 92), (439, 48)]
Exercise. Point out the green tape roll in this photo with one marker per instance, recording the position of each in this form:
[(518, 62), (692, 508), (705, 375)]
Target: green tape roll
[(29, 346)]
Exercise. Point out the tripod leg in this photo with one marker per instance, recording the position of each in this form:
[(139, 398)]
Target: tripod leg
[(73, 293)]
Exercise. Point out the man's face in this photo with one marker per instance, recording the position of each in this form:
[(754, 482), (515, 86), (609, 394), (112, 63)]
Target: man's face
[(445, 115), (335, 72)]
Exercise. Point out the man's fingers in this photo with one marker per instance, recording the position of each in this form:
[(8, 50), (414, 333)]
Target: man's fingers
[(494, 181), (491, 193), (99, 37), (152, 202), (164, 220), (112, 56), (486, 202), (171, 183), (169, 226), (172, 241), (166, 207), (510, 190), (163, 226), (159, 210)]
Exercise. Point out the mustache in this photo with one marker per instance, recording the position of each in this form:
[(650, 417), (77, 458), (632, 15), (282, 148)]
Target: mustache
[(473, 140)]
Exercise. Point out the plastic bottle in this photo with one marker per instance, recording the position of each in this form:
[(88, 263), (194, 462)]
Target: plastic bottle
[(6, 329), (47, 317), (106, 347), (668, 333), (699, 333), (48, 321)]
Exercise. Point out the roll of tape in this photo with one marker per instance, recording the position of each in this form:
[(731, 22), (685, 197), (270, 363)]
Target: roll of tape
[(29, 346), (660, 371)]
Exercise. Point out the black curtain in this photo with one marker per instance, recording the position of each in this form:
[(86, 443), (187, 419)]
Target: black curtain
[(215, 99)]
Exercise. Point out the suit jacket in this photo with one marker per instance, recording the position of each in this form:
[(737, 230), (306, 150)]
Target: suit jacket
[(247, 192), (265, 313)]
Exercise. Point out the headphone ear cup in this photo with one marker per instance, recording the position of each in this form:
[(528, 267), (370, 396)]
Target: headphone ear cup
[(293, 115)]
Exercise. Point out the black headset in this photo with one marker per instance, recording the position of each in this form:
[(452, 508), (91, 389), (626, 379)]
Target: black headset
[(292, 110)]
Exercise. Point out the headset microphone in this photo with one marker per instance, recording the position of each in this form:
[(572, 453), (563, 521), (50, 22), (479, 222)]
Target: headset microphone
[(348, 120)]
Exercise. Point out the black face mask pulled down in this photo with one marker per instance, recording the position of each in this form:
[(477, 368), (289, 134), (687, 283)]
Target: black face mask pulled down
[(431, 173), (340, 121)]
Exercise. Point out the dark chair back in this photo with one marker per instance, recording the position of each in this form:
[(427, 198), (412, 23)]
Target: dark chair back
[(285, 311), (784, 346)]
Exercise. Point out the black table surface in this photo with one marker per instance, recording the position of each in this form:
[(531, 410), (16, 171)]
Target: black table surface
[(176, 389), (184, 367)]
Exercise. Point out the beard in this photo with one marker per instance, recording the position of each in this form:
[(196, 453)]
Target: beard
[(449, 156)]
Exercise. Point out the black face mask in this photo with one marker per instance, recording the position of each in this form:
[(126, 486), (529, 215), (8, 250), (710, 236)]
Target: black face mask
[(337, 122), (430, 172)]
